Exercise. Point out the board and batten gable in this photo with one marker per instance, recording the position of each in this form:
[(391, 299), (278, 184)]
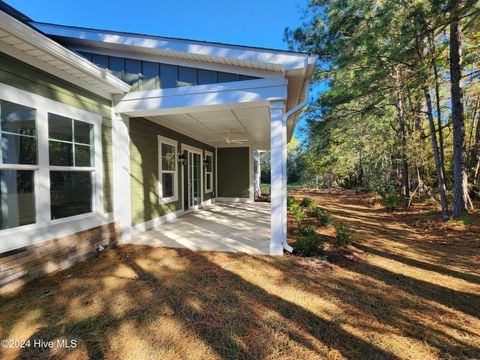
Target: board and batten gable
[(233, 167), (23, 76), (144, 172)]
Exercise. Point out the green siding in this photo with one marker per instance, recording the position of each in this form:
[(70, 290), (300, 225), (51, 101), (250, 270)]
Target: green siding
[(233, 166), (144, 169), (28, 78)]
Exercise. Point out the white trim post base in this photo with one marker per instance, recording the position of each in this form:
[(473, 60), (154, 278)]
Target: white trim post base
[(278, 181)]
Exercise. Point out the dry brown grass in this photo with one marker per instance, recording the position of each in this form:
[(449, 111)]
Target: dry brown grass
[(413, 295)]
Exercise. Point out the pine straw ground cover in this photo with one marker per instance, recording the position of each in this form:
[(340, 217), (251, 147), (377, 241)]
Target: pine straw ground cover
[(412, 293)]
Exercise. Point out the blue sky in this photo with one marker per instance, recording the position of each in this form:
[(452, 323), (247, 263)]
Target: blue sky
[(246, 22)]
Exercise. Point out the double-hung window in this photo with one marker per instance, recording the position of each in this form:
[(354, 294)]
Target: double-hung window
[(167, 170), (18, 164), (71, 157), (208, 172)]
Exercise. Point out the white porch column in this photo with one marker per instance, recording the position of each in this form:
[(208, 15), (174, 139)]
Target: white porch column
[(278, 191), (121, 175)]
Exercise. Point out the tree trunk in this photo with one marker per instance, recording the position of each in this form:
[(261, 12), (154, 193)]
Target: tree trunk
[(403, 135), (438, 161), (460, 194)]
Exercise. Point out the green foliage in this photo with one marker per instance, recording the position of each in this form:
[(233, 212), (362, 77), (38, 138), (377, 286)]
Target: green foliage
[(388, 192), (291, 201), (309, 245), (306, 202), (377, 61), (344, 235), (298, 213), (322, 216), (305, 230)]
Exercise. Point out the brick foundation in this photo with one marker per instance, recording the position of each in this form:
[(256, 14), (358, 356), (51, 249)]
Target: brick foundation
[(22, 265)]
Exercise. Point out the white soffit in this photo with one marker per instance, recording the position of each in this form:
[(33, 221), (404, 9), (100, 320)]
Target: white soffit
[(223, 128), (239, 56), (20, 41)]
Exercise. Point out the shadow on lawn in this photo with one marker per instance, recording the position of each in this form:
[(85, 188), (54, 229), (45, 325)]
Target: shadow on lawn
[(230, 318)]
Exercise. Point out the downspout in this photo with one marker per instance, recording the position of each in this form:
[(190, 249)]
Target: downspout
[(289, 113)]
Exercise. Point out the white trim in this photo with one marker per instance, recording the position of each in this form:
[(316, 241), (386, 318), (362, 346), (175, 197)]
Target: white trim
[(198, 151), (174, 143), (278, 135), (234, 200), (43, 107), (171, 216), (63, 55), (276, 60), (122, 201), (202, 97), (209, 190), (250, 173)]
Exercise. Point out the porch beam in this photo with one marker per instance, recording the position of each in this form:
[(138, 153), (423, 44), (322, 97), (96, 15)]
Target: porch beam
[(201, 97), (278, 190)]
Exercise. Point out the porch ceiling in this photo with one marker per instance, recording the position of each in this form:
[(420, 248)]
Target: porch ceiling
[(236, 126)]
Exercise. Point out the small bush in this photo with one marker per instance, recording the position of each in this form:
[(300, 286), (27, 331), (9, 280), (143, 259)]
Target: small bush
[(306, 202), (322, 216), (309, 245), (389, 194), (312, 207), (298, 213), (291, 201), (305, 230), (345, 236)]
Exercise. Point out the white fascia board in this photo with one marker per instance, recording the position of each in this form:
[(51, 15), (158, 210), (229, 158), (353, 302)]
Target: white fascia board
[(195, 98), (27, 34), (288, 60)]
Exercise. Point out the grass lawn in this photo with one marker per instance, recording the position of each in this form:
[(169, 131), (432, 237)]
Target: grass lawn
[(408, 289), (265, 188)]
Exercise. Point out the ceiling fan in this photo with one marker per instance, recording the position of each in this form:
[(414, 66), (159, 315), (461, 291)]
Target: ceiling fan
[(227, 137)]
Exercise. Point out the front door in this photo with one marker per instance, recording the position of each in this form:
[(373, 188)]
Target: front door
[(193, 179)]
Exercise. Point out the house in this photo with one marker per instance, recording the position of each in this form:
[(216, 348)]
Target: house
[(107, 135)]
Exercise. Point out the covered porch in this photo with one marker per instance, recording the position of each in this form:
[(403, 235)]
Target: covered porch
[(219, 227), (233, 119)]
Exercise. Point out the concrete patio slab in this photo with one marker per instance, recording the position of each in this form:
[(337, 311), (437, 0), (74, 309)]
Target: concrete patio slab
[(219, 227)]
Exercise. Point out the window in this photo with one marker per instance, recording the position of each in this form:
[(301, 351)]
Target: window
[(151, 73), (18, 163), (208, 172), (71, 152), (167, 170)]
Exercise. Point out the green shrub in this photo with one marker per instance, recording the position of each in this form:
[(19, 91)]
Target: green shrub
[(291, 201), (299, 215), (322, 216), (306, 202), (305, 230), (309, 245), (345, 236), (312, 207), (389, 194)]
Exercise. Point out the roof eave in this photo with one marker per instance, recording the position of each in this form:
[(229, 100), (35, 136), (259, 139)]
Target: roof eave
[(35, 38)]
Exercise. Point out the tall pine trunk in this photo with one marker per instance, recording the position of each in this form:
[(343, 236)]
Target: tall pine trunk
[(403, 135), (460, 195), (438, 160)]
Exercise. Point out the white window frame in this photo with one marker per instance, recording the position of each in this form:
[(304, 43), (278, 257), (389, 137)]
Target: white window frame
[(208, 173), (90, 169), (174, 143), (45, 227)]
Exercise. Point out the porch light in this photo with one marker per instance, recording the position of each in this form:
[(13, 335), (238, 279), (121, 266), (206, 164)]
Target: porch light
[(181, 158), (205, 162)]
